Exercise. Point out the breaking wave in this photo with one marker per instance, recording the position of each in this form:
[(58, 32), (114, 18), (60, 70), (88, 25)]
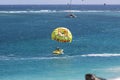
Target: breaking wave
[(58, 57), (34, 58), (54, 11), (115, 78), (101, 55)]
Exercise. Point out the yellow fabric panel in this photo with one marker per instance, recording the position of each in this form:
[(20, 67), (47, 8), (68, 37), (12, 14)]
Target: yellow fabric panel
[(61, 34)]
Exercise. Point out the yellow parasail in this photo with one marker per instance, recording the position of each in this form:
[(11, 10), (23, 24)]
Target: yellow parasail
[(61, 34)]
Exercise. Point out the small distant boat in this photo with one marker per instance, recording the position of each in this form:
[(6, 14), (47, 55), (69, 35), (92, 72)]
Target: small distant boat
[(71, 15), (58, 52)]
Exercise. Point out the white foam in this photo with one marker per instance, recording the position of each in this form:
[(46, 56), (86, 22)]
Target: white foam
[(101, 55), (12, 57), (54, 11), (34, 58), (40, 58), (115, 78), (112, 69), (31, 11)]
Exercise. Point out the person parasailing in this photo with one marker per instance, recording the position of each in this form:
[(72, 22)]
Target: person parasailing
[(63, 35)]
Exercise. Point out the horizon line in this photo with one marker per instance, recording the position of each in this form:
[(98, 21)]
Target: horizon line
[(58, 4)]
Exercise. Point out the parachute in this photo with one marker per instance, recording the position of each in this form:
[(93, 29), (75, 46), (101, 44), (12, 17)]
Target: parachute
[(61, 34)]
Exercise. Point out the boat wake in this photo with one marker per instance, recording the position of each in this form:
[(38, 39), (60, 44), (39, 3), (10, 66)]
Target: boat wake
[(58, 57), (29, 58)]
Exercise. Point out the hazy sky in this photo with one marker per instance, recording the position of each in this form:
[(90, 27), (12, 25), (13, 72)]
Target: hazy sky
[(59, 1)]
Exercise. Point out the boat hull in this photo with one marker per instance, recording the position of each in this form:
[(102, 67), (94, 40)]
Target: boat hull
[(58, 52)]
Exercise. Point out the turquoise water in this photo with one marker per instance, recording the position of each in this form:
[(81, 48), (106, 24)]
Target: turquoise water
[(26, 46)]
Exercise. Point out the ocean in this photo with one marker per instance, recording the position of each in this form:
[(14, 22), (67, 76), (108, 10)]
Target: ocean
[(26, 46)]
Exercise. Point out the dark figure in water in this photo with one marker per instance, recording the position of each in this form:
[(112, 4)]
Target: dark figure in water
[(72, 16), (92, 77)]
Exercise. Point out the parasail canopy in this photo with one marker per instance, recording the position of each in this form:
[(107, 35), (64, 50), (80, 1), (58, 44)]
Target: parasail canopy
[(61, 34)]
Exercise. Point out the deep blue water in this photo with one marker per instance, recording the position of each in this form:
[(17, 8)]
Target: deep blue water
[(26, 46), (59, 7)]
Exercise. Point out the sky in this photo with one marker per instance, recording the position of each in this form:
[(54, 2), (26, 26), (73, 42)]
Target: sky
[(11, 2)]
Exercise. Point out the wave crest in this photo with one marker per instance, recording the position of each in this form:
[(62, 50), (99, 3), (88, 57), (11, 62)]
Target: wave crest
[(101, 55), (34, 58), (54, 11), (58, 57), (116, 78)]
